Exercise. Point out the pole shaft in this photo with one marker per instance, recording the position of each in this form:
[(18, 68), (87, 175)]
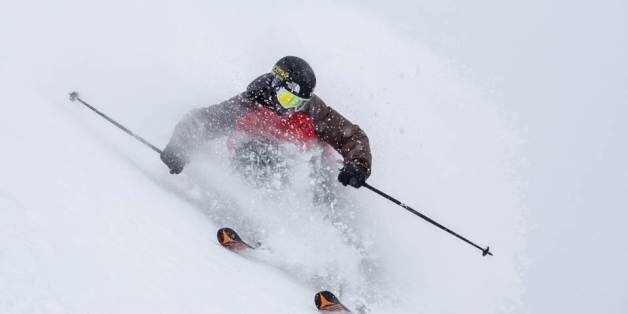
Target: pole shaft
[(428, 219), (120, 126)]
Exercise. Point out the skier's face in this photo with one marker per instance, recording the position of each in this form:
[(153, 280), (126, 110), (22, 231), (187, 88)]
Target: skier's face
[(285, 97)]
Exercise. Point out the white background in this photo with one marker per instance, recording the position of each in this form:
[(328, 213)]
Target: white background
[(503, 120)]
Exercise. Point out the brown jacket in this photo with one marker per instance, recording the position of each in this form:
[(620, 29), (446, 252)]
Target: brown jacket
[(331, 127)]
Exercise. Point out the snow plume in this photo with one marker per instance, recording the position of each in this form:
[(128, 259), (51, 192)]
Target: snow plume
[(91, 222)]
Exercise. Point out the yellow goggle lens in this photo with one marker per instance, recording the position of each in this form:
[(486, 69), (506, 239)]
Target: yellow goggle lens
[(289, 100)]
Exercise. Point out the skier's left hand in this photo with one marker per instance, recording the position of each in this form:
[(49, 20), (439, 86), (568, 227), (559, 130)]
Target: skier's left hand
[(353, 174)]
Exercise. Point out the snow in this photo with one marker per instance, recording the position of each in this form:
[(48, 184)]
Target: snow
[(91, 221)]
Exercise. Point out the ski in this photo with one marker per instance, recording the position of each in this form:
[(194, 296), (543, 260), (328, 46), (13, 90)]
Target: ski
[(328, 302), (230, 239), (325, 301)]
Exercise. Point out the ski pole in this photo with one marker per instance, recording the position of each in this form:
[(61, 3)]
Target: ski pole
[(428, 219), (74, 96)]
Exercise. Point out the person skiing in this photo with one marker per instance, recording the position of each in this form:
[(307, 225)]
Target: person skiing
[(277, 107)]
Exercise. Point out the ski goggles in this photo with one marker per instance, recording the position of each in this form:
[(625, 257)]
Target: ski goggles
[(288, 100)]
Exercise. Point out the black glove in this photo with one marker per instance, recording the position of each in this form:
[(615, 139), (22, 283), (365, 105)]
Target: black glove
[(353, 174), (173, 160)]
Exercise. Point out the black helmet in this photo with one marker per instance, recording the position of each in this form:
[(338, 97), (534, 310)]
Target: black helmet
[(296, 75)]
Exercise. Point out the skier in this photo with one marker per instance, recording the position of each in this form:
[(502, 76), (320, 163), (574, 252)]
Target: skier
[(277, 107)]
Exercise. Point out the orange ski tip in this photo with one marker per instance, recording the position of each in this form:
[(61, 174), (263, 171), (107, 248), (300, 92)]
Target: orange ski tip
[(327, 301), (225, 237), (231, 240), (324, 302)]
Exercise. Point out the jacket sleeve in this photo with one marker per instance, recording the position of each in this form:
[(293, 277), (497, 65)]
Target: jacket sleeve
[(346, 138), (203, 124)]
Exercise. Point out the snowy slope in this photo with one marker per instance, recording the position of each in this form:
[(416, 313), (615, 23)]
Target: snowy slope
[(91, 222), (84, 231)]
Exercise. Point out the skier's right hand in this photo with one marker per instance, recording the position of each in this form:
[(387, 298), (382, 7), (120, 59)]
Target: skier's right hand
[(174, 161)]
